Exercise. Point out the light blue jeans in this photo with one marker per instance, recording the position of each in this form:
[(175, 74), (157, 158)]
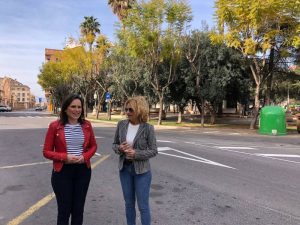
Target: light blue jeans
[(136, 186)]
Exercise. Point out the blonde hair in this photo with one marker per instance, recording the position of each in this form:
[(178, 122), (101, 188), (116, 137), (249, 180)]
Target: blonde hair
[(140, 107)]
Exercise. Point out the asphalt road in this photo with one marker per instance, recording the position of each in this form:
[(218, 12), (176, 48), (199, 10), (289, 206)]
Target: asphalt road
[(200, 176)]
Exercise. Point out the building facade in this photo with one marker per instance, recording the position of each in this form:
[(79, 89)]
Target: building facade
[(51, 55), (15, 94)]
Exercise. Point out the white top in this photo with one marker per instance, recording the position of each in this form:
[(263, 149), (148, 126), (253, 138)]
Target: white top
[(131, 133), (74, 139)]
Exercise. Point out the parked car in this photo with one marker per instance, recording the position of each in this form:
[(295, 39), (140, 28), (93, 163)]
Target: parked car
[(8, 109), (5, 108), (39, 108), (2, 108)]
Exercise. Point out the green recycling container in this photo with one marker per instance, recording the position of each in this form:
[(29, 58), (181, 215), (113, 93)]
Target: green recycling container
[(272, 120)]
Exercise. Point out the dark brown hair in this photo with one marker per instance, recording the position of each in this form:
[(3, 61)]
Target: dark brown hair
[(68, 100)]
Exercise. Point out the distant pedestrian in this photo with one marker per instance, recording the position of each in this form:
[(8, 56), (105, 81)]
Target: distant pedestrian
[(70, 143), (135, 143)]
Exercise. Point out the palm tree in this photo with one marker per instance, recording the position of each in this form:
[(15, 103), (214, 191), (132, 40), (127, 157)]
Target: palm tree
[(120, 7), (89, 28)]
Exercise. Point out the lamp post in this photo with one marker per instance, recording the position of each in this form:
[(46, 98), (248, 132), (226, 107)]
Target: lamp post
[(95, 106)]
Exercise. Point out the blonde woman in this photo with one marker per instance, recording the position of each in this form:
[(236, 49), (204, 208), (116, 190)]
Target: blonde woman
[(135, 143)]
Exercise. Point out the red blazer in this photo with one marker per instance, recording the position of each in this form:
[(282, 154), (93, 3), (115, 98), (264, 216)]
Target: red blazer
[(55, 147)]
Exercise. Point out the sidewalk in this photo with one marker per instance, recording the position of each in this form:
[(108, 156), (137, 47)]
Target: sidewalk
[(192, 122)]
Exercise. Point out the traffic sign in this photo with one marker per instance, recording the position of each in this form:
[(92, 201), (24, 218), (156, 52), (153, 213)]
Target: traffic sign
[(107, 96)]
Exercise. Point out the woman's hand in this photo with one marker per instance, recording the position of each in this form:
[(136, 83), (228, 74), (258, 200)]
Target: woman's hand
[(80, 159), (72, 159), (123, 146), (130, 153)]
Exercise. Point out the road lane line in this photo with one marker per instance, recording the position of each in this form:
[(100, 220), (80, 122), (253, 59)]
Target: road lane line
[(164, 149), (194, 157), (19, 219), (198, 160), (211, 132), (31, 210), (285, 160), (27, 164), (237, 147), (279, 155), (163, 141), (32, 164), (256, 154)]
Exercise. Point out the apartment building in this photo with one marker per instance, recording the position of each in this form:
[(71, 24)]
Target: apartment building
[(51, 55), (15, 94), (1, 92)]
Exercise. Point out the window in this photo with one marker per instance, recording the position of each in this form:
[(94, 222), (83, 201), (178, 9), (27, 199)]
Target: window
[(23, 99)]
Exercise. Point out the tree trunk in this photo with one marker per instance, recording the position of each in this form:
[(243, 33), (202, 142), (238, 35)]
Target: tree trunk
[(180, 112), (202, 112), (108, 110), (270, 77), (255, 107), (160, 96), (212, 117), (84, 104)]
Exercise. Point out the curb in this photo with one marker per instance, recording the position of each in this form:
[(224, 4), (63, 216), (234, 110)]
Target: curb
[(224, 130)]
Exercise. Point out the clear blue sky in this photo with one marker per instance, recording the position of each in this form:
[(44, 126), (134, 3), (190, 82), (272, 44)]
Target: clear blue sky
[(27, 27)]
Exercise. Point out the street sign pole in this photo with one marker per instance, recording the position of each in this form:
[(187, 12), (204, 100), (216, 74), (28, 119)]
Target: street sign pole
[(108, 101)]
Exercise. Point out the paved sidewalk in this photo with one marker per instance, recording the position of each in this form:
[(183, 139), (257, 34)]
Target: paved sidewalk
[(232, 125)]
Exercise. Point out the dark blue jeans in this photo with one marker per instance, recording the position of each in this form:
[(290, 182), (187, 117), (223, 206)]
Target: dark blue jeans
[(136, 186), (70, 186)]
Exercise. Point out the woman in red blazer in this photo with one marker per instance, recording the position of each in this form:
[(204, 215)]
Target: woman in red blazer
[(70, 143)]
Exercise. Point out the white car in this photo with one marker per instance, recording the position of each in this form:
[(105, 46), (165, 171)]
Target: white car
[(8, 108), (5, 108)]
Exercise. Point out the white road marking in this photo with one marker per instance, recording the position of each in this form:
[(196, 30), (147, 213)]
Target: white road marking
[(164, 149), (278, 155), (194, 157), (230, 149), (285, 160), (27, 164), (164, 141), (256, 154), (237, 147), (211, 132), (34, 208), (32, 164), (203, 145), (99, 137)]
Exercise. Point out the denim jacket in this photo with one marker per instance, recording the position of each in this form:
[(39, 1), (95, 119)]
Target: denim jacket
[(144, 144)]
